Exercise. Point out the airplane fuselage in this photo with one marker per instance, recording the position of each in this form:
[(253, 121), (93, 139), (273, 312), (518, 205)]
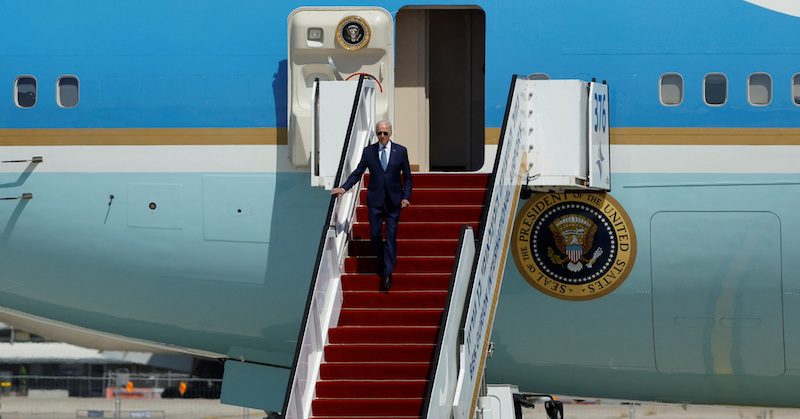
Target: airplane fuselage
[(167, 208)]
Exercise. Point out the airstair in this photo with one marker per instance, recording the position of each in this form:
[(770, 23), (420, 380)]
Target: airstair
[(379, 356), (420, 349)]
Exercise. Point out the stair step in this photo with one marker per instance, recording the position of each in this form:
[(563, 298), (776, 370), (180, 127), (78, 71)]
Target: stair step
[(383, 334), (392, 317), (400, 282), (445, 196), (408, 247), (391, 352), (428, 213), (379, 356), (374, 370), (368, 417), (405, 264), (394, 299), (412, 230), (364, 389), (362, 407), (447, 180)]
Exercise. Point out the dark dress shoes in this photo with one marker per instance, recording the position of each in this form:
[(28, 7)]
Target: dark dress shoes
[(387, 282)]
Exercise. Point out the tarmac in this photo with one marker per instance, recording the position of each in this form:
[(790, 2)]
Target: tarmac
[(67, 408), (617, 410)]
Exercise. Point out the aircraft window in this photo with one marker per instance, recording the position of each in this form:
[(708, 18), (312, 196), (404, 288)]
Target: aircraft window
[(671, 89), (796, 88), (715, 89), (538, 76), (25, 88), (68, 91), (759, 89)]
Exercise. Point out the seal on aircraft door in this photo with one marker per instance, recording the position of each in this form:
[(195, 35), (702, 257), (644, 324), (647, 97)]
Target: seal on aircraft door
[(353, 33), (574, 246)]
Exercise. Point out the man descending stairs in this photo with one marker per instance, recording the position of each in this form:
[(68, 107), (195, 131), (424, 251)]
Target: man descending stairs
[(378, 360)]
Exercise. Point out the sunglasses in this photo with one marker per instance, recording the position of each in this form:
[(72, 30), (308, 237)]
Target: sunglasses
[(379, 133)]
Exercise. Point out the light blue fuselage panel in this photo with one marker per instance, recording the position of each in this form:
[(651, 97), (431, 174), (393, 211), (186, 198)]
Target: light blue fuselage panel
[(708, 305), (215, 266)]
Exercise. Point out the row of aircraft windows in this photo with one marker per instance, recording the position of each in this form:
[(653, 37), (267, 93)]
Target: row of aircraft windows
[(67, 91), (715, 88)]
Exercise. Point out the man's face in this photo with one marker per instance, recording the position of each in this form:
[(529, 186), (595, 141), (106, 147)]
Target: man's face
[(384, 133)]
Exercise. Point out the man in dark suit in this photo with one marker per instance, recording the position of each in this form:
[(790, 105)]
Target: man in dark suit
[(386, 194)]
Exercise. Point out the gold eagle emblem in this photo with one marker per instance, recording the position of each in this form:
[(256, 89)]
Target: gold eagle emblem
[(574, 235)]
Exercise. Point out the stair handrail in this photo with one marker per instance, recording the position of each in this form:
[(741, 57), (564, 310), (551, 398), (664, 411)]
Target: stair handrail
[(495, 227), (445, 365), (325, 293), (493, 237), (361, 132)]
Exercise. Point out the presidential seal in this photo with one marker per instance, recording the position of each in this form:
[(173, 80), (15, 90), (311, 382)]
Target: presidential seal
[(574, 246), (353, 33)]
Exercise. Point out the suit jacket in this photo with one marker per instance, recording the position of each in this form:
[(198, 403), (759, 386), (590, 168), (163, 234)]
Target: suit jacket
[(385, 188)]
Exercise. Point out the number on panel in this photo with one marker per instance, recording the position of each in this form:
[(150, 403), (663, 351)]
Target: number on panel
[(600, 109)]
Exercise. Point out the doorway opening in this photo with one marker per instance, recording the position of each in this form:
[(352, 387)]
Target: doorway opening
[(440, 85)]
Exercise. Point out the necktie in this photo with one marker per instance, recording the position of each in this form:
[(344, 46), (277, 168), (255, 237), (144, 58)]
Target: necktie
[(384, 158)]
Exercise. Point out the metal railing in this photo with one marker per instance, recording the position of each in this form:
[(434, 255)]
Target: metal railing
[(448, 362), (361, 133), (325, 294), (495, 227), (463, 341)]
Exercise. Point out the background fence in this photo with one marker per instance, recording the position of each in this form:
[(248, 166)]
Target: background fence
[(126, 386)]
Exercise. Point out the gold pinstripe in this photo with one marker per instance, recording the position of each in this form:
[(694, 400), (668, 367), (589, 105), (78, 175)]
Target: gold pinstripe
[(278, 136), (692, 136), (142, 136)]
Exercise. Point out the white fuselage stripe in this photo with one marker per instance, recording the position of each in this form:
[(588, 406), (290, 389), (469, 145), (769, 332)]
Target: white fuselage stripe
[(704, 159), (275, 158), (153, 159)]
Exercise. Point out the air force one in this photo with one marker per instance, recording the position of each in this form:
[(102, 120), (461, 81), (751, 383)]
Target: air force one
[(617, 220)]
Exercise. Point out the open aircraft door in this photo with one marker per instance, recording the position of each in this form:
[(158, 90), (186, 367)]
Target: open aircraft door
[(335, 43)]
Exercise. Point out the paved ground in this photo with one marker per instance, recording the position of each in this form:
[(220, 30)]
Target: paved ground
[(666, 411), (63, 408), (23, 408)]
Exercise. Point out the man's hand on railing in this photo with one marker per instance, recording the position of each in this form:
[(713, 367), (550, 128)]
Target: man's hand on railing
[(337, 191)]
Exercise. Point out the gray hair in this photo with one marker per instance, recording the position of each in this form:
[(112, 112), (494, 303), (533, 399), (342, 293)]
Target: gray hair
[(384, 122)]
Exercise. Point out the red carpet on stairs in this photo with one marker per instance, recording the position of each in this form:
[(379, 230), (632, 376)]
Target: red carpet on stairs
[(378, 359)]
